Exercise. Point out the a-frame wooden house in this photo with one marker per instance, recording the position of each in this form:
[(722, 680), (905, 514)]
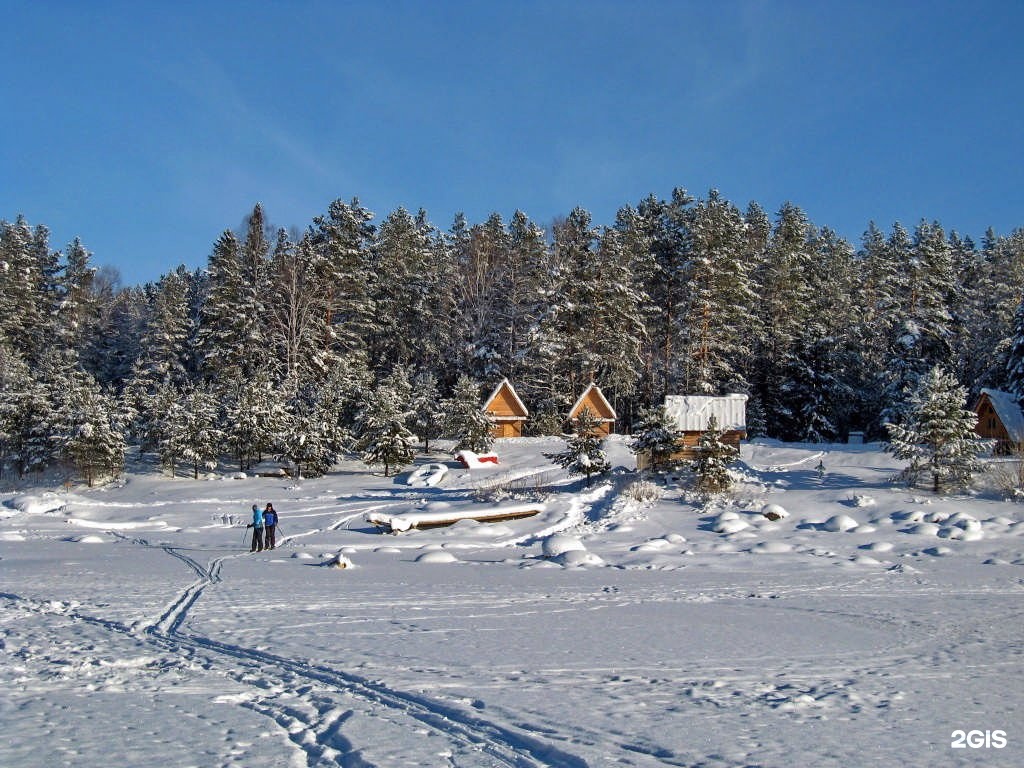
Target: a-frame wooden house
[(594, 400), (506, 410), (1000, 419)]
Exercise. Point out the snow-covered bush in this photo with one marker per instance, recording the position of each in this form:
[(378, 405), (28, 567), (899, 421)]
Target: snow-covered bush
[(642, 491)]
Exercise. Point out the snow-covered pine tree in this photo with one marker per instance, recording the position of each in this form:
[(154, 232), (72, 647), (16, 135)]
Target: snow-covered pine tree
[(720, 301), (307, 440), (167, 426), (465, 420), (96, 441), (714, 458), (481, 253), (937, 436), (24, 415), (990, 328), (404, 262), (924, 332), (254, 417), (783, 294), (200, 437), (1015, 357), (220, 338), (584, 449), (343, 238), (655, 435), (384, 439), (820, 372), (427, 411)]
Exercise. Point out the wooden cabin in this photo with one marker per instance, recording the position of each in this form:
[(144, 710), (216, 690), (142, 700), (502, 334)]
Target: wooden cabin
[(1000, 419), (594, 400), (692, 415), (506, 410)]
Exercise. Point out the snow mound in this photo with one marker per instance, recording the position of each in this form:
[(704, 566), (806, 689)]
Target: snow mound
[(878, 546), (860, 500), (577, 558), (653, 545), (923, 529), (33, 505), (729, 524), (840, 523), (561, 543), (774, 511), (339, 561), (437, 557), (771, 548)]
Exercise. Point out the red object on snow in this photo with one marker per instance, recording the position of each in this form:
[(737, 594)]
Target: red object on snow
[(491, 458)]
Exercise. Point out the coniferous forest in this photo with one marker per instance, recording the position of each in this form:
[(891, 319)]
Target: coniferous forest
[(292, 343)]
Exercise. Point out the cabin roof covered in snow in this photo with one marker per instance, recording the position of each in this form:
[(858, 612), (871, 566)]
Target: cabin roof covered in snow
[(1009, 412), (594, 398), (692, 413), (511, 399)]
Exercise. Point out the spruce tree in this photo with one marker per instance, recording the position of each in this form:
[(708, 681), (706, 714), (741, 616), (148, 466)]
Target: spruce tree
[(384, 439), (465, 420), (584, 450), (1015, 358), (937, 436), (656, 435), (95, 443), (714, 457)]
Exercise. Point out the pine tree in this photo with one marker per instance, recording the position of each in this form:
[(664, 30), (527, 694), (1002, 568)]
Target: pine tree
[(657, 435), (95, 443), (384, 439), (308, 438), (197, 431), (426, 408), (719, 299), (465, 420), (937, 436), (1015, 357), (713, 460), (584, 450), (343, 238), (254, 416)]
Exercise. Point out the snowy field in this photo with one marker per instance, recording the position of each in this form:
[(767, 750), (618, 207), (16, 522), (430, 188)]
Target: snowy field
[(864, 628)]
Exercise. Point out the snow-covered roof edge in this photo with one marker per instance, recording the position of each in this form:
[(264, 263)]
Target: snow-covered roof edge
[(600, 394), (515, 396), (692, 413), (1008, 411)]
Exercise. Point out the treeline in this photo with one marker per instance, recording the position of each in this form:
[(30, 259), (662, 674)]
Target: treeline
[(282, 344)]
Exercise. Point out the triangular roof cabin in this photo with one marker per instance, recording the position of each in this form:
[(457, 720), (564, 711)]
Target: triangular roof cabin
[(594, 400), (1000, 419), (506, 410)]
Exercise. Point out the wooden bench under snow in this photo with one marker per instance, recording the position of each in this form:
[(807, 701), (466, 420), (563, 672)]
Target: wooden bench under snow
[(410, 520)]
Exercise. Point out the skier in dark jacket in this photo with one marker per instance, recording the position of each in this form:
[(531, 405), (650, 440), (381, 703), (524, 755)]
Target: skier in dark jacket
[(270, 526), (257, 529)]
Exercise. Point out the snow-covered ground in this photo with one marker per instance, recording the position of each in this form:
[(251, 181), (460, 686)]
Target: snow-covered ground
[(865, 627)]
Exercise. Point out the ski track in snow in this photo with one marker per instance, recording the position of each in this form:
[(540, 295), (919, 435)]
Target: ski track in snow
[(332, 716), (312, 702)]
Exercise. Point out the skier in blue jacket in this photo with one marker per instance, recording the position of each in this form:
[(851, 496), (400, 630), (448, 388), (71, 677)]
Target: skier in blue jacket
[(257, 529), (270, 526)]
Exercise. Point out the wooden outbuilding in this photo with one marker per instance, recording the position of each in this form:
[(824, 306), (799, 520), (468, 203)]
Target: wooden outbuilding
[(506, 410), (594, 400), (691, 415), (1000, 419)]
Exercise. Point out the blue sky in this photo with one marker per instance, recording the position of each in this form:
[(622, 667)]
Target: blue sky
[(147, 128)]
